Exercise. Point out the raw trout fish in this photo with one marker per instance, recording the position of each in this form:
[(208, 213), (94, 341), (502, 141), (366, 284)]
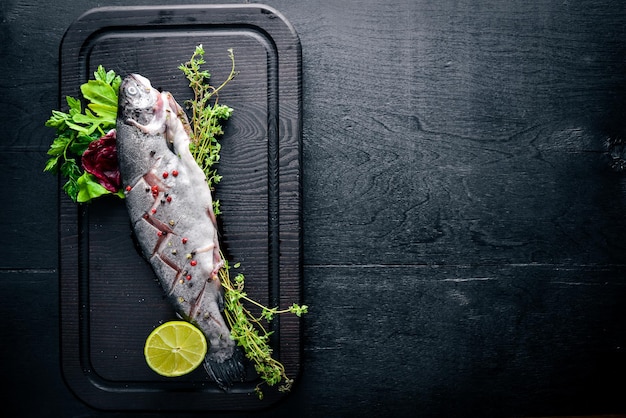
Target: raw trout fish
[(171, 211)]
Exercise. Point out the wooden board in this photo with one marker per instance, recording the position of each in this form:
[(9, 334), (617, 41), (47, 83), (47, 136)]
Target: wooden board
[(462, 223), (110, 301)]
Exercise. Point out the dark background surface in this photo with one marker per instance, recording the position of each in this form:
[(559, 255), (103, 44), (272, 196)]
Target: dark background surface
[(463, 215)]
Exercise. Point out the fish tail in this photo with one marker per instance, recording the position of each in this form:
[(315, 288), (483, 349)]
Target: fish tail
[(229, 371)]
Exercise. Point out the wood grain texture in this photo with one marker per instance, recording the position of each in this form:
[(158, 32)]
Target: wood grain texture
[(30, 241), (108, 296), (430, 334), (463, 227), (473, 124)]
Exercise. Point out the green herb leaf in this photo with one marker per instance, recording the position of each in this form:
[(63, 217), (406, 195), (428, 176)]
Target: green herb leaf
[(52, 164), (106, 113), (81, 143), (99, 92), (100, 74), (74, 104), (92, 121), (59, 145), (89, 188), (70, 169), (71, 189), (116, 84), (108, 77), (57, 120), (75, 130)]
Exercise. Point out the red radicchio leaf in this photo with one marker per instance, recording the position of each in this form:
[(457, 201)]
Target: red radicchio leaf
[(100, 159)]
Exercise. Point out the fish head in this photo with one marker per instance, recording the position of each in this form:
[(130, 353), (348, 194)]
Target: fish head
[(138, 99)]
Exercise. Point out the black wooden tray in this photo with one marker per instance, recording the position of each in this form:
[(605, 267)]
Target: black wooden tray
[(110, 300)]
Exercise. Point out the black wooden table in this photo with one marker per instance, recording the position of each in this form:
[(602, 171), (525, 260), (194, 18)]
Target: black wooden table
[(463, 185)]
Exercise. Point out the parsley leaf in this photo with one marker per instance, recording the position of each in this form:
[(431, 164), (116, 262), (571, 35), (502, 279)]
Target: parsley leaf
[(77, 128)]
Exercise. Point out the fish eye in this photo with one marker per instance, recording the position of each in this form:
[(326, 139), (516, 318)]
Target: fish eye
[(132, 90)]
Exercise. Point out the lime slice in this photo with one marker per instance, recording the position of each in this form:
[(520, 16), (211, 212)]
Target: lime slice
[(175, 348)]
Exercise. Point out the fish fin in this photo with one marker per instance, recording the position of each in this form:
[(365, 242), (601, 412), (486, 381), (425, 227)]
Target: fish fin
[(180, 113), (220, 301), (229, 371)]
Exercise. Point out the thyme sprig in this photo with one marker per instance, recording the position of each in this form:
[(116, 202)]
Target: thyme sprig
[(206, 115), (247, 329)]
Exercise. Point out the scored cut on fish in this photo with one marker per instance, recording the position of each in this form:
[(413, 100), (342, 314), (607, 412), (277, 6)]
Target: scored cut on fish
[(171, 211)]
